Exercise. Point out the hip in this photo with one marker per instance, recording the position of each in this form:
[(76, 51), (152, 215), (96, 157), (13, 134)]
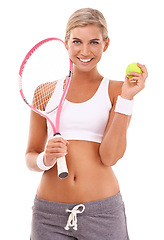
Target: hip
[(106, 217)]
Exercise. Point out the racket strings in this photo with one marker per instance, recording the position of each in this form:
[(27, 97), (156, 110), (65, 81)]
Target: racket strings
[(43, 94)]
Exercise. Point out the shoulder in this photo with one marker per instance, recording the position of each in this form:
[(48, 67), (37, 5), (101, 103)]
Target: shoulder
[(42, 95), (114, 90)]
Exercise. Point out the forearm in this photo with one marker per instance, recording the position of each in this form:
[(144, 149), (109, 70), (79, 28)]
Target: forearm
[(113, 145), (44, 159), (31, 162)]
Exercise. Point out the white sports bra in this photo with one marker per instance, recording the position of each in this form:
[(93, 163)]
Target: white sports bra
[(83, 121)]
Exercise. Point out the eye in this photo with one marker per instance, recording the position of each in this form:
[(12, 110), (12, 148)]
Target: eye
[(76, 42), (95, 42)]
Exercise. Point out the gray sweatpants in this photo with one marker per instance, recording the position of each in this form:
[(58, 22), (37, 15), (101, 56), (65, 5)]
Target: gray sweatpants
[(99, 220)]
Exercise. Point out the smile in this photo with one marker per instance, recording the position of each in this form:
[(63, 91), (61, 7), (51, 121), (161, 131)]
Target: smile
[(85, 60)]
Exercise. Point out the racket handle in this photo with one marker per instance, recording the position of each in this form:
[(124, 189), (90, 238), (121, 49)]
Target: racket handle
[(62, 167), (61, 163)]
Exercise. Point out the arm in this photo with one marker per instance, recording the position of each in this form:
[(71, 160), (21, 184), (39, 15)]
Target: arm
[(37, 143), (113, 144)]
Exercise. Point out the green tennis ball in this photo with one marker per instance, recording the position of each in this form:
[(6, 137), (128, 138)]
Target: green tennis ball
[(133, 68)]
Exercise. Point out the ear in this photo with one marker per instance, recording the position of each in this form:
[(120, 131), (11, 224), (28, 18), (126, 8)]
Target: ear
[(66, 43), (106, 45)]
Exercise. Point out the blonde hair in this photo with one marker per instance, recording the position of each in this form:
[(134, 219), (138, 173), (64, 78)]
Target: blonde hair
[(84, 17)]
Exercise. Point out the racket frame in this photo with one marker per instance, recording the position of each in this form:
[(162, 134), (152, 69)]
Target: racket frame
[(61, 162)]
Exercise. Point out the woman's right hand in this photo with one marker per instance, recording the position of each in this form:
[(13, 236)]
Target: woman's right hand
[(55, 148)]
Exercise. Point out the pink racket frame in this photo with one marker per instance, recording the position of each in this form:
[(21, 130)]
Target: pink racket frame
[(57, 123)]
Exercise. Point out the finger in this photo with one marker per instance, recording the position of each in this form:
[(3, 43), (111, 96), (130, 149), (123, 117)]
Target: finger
[(135, 74), (56, 147), (59, 150), (67, 143), (54, 156), (137, 79), (60, 140), (144, 72), (58, 155), (127, 80), (63, 141), (133, 80), (54, 151), (59, 146), (143, 68)]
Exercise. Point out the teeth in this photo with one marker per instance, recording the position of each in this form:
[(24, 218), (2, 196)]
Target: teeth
[(85, 60)]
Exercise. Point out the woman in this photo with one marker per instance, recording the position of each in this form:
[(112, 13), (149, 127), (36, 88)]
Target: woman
[(94, 121)]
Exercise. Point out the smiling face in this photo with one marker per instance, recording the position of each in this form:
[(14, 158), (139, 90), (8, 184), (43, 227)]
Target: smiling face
[(85, 47)]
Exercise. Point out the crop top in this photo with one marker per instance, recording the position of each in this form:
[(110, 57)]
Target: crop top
[(83, 121)]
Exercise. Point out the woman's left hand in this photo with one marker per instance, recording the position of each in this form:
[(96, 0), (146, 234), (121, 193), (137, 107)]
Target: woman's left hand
[(134, 85)]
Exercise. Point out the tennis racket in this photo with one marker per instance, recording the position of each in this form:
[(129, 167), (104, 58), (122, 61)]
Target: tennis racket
[(39, 74)]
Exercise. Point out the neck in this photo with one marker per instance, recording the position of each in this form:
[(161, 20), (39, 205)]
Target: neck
[(90, 76)]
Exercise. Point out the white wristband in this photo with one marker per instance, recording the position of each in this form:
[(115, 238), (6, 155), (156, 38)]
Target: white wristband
[(124, 106), (40, 163)]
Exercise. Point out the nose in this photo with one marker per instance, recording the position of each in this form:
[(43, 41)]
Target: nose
[(85, 50)]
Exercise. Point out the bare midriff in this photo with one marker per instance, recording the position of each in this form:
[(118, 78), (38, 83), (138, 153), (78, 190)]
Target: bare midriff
[(88, 179)]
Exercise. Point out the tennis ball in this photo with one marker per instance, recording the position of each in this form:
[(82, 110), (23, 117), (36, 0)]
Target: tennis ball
[(133, 68)]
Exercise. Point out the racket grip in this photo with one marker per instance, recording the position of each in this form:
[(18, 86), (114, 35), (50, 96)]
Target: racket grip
[(62, 168), (61, 163)]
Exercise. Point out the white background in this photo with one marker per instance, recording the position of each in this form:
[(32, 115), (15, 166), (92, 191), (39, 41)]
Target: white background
[(136, 33)]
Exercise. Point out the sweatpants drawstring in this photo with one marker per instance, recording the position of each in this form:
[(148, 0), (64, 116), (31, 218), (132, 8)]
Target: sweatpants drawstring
[(72, 219)]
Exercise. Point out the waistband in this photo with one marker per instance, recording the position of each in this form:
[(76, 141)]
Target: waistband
[(98, 207)]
